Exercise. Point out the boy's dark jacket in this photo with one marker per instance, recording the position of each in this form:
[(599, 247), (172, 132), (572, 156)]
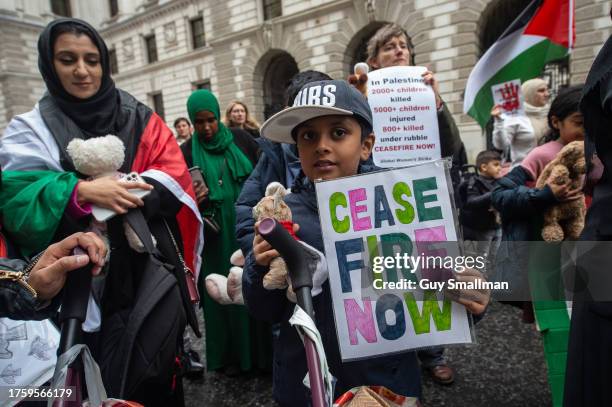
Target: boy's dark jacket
[(400, 373), (475, 214)]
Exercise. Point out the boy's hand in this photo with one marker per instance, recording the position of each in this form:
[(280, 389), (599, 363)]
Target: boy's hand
[(263, 251), (475, 301)]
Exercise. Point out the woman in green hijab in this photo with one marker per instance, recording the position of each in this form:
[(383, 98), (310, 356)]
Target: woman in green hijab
[(226, 158)]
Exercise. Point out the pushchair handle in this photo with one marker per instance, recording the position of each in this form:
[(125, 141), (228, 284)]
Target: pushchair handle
[(74, 305), (301, 281), (290, 250), (293, 254)]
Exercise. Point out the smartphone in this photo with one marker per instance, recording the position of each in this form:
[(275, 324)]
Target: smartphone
[(197, 177), (104, 214)]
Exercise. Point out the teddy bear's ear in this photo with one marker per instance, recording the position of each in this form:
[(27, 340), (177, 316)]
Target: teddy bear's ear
[(74, 146)]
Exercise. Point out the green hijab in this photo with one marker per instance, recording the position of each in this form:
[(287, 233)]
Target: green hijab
[(219, 154)]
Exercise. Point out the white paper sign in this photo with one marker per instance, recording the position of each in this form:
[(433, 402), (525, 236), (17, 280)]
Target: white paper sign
[(27, 355), (405, 117), (508, 96), (384, 214)]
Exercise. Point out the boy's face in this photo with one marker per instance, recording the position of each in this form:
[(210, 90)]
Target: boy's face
[(330, 147), (492, 169)]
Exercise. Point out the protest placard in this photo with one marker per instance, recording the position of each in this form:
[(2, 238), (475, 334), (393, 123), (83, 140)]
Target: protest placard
[(381, 215), (405, 117), (508, 96)]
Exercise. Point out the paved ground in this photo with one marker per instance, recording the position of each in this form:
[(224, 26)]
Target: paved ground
[(505, 368)]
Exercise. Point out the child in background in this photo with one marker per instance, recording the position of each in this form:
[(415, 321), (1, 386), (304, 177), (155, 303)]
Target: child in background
[(333, 133), (478, 219)]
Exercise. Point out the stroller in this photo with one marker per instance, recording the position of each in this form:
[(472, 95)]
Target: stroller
[(75, 363), (319, 377), (135, 363)]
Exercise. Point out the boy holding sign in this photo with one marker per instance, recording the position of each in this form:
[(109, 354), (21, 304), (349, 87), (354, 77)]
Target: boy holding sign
[(331, 123)]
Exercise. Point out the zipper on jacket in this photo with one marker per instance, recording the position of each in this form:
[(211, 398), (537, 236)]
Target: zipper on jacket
[(18, 277)]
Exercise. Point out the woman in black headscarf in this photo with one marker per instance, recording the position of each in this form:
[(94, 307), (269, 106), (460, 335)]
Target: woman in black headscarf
[(83, 102)]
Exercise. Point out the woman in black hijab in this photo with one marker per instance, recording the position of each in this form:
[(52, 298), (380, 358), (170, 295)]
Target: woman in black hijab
[(83, 102)]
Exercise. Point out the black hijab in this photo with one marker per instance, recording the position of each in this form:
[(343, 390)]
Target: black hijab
[(97, 115)]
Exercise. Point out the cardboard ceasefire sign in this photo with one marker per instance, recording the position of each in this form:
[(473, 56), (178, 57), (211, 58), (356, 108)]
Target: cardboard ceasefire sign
[(509, 97), (405, 117), (381, 214)]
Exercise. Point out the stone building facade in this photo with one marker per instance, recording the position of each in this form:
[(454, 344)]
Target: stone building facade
[(246, 49)]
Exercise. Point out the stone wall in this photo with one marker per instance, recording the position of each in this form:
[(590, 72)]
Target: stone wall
[(20, 82)]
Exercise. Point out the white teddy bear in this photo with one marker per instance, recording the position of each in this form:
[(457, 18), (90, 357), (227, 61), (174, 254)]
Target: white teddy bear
[(99, 157)]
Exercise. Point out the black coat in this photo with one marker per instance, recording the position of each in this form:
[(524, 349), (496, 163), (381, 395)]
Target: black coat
[(16, 302), (589, 364), (476, 214), (521, 211)]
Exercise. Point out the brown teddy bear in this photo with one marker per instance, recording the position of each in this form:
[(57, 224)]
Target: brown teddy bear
[(359, 78), (273, 206), (565, 220)]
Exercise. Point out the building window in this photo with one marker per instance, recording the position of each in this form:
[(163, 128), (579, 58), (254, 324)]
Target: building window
[(272, 8), (61, 8), (114, 7), (151, 48), (205, 84), (158, 104), (112, 57), (197, 33)]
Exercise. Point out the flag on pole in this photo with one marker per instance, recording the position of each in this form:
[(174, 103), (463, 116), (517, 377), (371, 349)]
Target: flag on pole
[(542, 33)]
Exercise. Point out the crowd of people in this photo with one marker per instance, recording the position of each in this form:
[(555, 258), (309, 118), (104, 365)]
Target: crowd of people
[(199, 188)]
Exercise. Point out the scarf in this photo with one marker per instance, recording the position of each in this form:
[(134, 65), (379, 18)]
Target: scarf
[(538, 115), (219, 154), (97, 115)]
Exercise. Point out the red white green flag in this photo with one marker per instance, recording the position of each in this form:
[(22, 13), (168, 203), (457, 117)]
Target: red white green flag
[(542, 33)]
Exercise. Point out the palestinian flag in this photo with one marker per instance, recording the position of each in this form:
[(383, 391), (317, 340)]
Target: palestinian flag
[(542, 33)]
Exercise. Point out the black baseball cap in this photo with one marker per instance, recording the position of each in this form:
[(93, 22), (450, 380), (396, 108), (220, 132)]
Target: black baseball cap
[(316, 99)]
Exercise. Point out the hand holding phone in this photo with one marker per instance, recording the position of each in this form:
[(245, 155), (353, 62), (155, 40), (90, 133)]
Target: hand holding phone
[(199, 185), (102, 214)]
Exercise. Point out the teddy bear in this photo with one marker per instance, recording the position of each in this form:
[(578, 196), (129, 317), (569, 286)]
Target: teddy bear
[(565, 220), (272, 205), (359, 79), (229, 290), (98, 157)]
